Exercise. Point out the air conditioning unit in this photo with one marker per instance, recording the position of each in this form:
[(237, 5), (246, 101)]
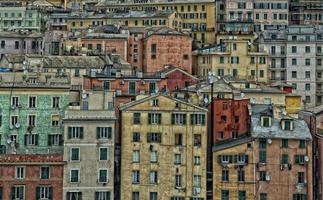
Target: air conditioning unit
[(119, 92), (122, 82), (142, 92), (267, 178), (196, 191), (306, 158)]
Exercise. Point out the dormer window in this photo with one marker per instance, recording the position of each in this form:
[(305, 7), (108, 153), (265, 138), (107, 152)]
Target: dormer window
[(241, 158), (224, 159), (155, 102), (265, 121), (287, 125)]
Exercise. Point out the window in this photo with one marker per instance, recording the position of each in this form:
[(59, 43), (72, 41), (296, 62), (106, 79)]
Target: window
[(18, 192), (285, 143), (261, 73), (75, 132), (307, 61), (262, 175), (262, 60), (273, 50), (294, 61), (263, 196), (74, 196), (20, 173), (136, 156), (225, 175), (225, 195), (135, 196), (106, 85), (103, 175), (294, 49), (221, 60), (44, 172), (74, 154), (178, 118), (132, 87), (196, 181), (234, 47), (136, 118), (3, 44), (154, 137), (153, 196), (302, 144), (299, 196), (294, 74), (153, 49), (55, 102), (262, 156), (265, 121), (178, 159), (154, 118), (16, 44), (77, 73), (197, 140), (102, 195), (32, 120), (178, 139), (74, 175), (241, 177), (234, 60), (300, 177), (44, 192), (99, 47), (241, 195), (153, 157), (135, 176), (197, 160), (153, 177), (136, 137), (55, 120), (103, 155), (178, 180), (252, 60), (307, 86), (14, 101), (307, 99), (103, 132), (90, 46), (307, 74), (152, 88), (284, 159), (31, 139), (197, 119), (299, 159), (307, 49), (32, 102), (55, 140)]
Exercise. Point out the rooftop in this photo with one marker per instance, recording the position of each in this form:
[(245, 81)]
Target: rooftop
[(20, 34)]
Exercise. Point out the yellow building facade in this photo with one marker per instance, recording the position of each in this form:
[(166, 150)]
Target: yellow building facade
[(163, 149), (234, 167), (197, 16), (232, 56)]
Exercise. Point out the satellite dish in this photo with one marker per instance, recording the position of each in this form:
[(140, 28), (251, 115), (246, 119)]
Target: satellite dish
[(9, 141), (206, 100), (306, 158), (269, 141), (24, 62), (242, 95), (156, 91), (284, 112), (17, 125), (84, 95)]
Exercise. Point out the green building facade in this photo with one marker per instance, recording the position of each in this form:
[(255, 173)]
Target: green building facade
[(31, 119)]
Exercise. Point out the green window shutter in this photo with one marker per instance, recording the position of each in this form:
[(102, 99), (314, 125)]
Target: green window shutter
[(36, 139), (50, 193), (247, 159), (159, 118), (173, 118), (81, 132), (38, 193), (107, 195), (109, 132), (219, 158), (21, 193), (148, 137), (230, 158), (203, 120), (49, 142), (235, 158), (159, 137), (184, 119), (61, 140), (80, 196), (297, 160), (13, 191), (96, 195), (97, 132), (25, 137), (192, 117), (68, 195), (149, 118), (69, 132)]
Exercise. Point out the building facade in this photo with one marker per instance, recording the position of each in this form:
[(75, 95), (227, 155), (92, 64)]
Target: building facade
[(31, 176), (89, 147), (163, 149), (31, 109)]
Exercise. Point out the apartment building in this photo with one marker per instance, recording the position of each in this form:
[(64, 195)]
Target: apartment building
[(89, 147), (282, 155), (232, 56), (295, 55), (17, 17), (306, 12), (163, 149), (234, 170), (197, 16), (21, 43), (31, 110), (31, 176)]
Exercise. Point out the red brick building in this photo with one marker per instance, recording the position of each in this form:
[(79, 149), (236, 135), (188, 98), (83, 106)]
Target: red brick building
[(31, 177), (231, 118), (167, 47), (135, 50)]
